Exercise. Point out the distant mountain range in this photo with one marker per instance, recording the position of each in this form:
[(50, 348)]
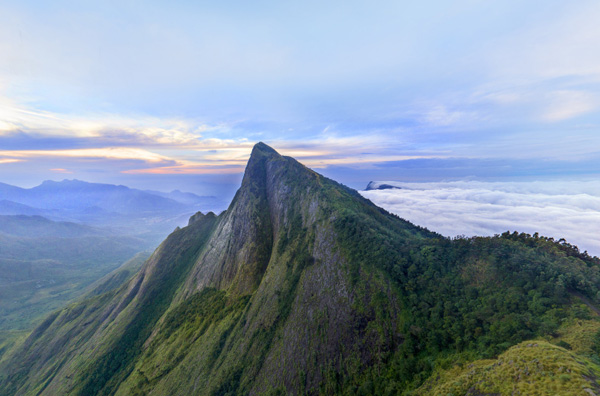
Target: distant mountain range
[(304, 287), (38, 226), (147, 214), (75, 198)]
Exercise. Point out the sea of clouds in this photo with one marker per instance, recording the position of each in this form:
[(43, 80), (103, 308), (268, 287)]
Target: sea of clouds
[(568, 209)]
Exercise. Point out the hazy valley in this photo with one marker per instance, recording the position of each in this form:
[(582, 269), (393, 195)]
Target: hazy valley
[(58, 238)]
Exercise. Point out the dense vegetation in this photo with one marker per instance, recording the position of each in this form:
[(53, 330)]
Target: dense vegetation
[(110, 368), (465, 298)]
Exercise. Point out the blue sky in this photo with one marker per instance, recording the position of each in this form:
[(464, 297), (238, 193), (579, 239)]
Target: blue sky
[(174, 94)]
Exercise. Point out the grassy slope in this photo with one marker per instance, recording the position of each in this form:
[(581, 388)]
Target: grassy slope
[(119, 276), (565, 364)]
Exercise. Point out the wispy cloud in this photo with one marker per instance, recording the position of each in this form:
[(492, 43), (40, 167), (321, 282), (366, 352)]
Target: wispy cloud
[(189, 169), (135, 129), (9, 160), (61, 170), (564, 105), (118, 153), (441, 116)]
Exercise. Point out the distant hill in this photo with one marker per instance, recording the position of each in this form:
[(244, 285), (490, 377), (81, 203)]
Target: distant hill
[(186, 198), (38, 226), (302, 286), (373, 185), (11, 193), (75, 196), (14, 208)]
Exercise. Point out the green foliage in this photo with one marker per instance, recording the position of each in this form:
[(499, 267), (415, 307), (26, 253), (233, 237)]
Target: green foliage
[(529, 368), (475, 297), (596, 343), (185, 324)]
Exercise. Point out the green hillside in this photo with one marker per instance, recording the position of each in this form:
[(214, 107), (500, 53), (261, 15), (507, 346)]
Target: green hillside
[(304, 287), (564, 364)]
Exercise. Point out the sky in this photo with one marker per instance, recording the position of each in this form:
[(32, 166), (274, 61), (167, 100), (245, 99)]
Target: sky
[(167, 95)]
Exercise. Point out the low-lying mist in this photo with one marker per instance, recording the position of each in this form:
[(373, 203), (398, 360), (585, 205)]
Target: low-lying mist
[(569, 210)]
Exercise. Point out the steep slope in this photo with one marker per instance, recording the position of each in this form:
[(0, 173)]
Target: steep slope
[(276, 246), (101, 336), (272, 271), (301, 286)]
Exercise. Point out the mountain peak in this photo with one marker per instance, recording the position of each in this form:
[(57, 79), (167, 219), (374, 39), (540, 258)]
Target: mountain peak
[(256, 167), (262, 148)]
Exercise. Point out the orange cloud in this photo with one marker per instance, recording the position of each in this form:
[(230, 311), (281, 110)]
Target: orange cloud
[(9, 160), (108, 153), (60, 170), (189, 170)]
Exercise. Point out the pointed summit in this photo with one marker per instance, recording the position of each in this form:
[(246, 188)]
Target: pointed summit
[(264, 149), (261, 153)]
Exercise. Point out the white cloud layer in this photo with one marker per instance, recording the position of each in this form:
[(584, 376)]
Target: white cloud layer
[(569, 210)]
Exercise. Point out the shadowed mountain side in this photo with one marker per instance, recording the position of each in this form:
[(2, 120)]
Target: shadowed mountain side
[(301, 286)]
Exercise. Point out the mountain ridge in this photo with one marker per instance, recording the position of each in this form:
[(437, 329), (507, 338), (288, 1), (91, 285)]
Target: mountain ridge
[(301, 286)]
